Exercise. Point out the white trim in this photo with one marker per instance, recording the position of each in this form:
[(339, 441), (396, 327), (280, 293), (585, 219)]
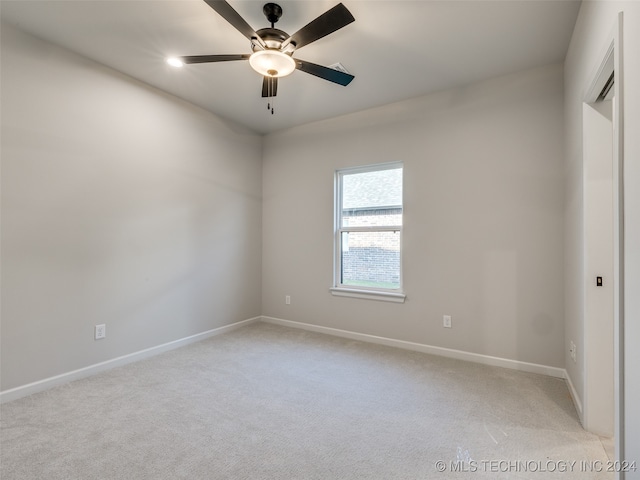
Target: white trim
[(368, 294), (602, 73), (420, 347), (47, 383), (574, 396), (374, 167), (618, 248)]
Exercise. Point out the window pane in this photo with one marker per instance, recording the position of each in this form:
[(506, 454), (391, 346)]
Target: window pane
[(371, 259), (372, 198), (391, 217)]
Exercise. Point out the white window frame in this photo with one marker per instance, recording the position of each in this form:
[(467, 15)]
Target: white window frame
[(384, 294)]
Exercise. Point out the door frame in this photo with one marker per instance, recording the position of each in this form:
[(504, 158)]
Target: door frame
[(611, 61)]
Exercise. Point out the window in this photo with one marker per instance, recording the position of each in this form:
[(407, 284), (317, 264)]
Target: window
[(368, 232)]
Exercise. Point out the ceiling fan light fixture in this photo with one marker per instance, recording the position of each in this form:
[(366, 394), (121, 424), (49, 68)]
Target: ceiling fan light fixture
[(272, 63)]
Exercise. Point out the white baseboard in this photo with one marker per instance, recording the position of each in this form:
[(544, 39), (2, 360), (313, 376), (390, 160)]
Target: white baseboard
[(574, 396), (47, 383), (420, 347)]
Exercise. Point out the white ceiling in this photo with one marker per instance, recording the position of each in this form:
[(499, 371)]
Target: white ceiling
[(396, 49)]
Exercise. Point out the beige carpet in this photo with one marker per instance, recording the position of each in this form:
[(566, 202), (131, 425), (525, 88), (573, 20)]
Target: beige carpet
[(268, 402)]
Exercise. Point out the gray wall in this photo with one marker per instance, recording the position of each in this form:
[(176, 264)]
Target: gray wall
[(120, 205), (591, 36), (483, 218)]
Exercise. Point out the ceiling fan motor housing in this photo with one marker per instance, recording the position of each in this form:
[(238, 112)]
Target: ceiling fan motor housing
[(272, 37)]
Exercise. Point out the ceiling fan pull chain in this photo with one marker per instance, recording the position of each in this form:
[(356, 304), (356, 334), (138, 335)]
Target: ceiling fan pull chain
[(270, 94)]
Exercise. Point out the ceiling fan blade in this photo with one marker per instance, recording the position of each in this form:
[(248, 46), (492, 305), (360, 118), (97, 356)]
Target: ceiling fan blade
[(227, 12), (213, 58), (325, 73), (269, 86), (327, 23)]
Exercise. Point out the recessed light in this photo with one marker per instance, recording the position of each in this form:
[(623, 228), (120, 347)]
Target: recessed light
[(175, 62)]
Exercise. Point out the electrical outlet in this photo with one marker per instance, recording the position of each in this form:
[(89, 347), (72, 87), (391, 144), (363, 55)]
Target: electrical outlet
[(446, 321), (287, 300), (100, 331)]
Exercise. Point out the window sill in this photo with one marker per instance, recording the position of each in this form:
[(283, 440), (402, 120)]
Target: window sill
[(368, 294)]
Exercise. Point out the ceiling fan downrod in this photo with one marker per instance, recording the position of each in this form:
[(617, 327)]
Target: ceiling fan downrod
[(273, 12)]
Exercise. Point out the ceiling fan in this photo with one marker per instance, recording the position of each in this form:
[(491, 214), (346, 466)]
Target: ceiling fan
[(273, 49)]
